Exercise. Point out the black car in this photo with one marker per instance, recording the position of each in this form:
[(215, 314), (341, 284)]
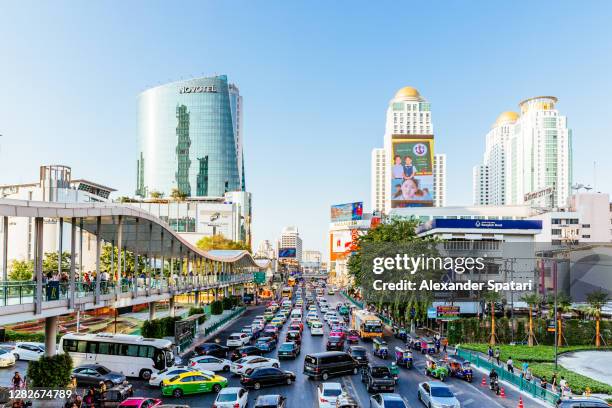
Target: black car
[(335, 343), (294, 336), (360, 354), (93, 374), (246, 351), (378, 377), (271, 401), (211, 349), (261, 377), (288, 350), (325, 365)]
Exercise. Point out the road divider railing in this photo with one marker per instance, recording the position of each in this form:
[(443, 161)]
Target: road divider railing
[(207, 330), (528, 387)]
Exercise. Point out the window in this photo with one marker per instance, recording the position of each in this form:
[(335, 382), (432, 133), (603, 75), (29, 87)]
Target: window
[(82, 346), (586, 225), (92, 347), (106, 348), (146, 351), (70, 345)]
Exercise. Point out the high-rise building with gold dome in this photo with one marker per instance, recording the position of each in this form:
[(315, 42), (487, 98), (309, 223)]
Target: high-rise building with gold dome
[(405, 172), (527, 159)]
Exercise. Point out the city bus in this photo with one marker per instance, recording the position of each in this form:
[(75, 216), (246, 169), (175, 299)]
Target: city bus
[(287, 292), (131, 355), (368, 325)]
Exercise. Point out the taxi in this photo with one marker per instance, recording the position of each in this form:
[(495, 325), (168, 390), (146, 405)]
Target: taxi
[(192, 383)]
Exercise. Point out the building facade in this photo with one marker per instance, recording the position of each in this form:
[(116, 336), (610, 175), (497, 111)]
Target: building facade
[(527, 159), (190, 138), (289, 239), (408, 123)]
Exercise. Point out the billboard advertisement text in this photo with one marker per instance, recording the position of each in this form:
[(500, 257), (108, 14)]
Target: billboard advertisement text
[(347, 212), (412, 172)]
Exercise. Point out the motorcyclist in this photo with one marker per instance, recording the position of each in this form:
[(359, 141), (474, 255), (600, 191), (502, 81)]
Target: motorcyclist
[(493, 380)]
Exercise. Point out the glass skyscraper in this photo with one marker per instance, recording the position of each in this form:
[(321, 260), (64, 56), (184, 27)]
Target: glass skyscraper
[(190, 139)]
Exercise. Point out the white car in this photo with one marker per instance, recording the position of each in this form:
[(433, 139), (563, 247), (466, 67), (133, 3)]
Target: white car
[(241, 366), (156, 379), (316, 329), (437, 394), (28, 351), (238, 340), (7, 359), (327, 393), (232, 397), (209, 363), (328, 316)]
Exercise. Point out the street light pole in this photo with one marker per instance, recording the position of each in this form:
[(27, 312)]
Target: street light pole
[(554, 265)]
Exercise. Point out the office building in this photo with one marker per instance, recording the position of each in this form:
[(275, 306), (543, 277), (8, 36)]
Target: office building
[(408, 136), (289, 245), (527, 159), (190, 139)]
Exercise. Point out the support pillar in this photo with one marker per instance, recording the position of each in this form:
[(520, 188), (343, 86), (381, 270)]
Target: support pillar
[(151, 310), (50, 335), (5, 248), (118, 281), (98, 253), (38, 261), (72, 288), (60, 247), (171, 308), (196, 298)]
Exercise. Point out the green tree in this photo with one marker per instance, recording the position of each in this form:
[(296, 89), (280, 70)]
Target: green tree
[(50, 372), (596, 300), (156, 194), (50, 262), (21, 270), (178, 194), (564, 305), (105, 260), (218, 241)]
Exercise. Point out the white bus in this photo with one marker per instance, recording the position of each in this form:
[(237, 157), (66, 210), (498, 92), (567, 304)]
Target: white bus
[(131, 355)]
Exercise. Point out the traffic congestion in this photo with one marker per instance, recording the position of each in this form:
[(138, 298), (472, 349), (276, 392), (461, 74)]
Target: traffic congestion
[(306, 346)]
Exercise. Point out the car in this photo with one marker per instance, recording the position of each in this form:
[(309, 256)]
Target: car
[(156, 379), (312, 308), (93, 374), (245, 351), (7, 359), (238, 340), (269, 332), (333, 321), (253, 334), (140, 402), (209, 363), (578, 401), (28, 351), (336, 333), (270, 401), (328, 316), (436, 394), (296, 327), (378, 377), (261, 377), (326, 364), (352, 336), (359, 353), (247, 363), (334, 343), (266, 343), (211, 349), (327, 393), (192, 383), (316, 329), (232, 397), (294, 336), (387, 400), (288, 349)]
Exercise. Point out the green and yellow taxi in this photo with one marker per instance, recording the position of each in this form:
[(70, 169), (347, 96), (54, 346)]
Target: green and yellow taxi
[(268, 315), (193, 382), (277, 321)]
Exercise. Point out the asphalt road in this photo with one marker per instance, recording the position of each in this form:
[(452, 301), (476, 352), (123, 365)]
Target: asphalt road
[(302, 393)]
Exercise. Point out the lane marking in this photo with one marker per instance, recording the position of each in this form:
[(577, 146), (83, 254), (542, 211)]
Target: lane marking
[(467, 402)]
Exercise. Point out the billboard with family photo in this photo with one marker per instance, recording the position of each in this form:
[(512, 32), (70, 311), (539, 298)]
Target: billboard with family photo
[(347, 212), (412, 171)]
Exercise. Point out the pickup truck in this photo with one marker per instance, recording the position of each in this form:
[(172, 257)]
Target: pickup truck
[(378, 377)]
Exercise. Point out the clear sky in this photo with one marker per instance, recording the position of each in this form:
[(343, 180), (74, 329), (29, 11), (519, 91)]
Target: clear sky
[(316, 77)]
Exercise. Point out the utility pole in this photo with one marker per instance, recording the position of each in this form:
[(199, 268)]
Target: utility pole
[(554, 265)]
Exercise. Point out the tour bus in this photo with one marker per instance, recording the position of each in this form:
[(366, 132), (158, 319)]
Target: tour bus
[(131, 355), (287, 292)]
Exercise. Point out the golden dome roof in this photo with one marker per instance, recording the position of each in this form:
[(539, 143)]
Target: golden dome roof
[(506, 117), (407, 92)]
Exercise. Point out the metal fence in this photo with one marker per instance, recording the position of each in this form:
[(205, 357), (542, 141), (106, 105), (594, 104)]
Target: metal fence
[(212, 328), (528, 387)]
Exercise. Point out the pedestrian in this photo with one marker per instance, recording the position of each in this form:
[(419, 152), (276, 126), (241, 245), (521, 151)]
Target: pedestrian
[(88, 400), (490, 353), (510, 365), (444, 345), (437, 345), (553, 383), (543, 382), (497, 355), (528, 375), (17, 381)]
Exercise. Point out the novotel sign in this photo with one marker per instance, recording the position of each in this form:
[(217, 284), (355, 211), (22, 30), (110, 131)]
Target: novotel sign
[(197, 89)]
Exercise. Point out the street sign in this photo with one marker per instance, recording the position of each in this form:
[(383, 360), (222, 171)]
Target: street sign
[(550, 326), (447, 312), (432, 313)]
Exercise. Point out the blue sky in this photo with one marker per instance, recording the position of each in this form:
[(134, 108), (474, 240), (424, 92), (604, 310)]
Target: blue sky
[(316, 79)]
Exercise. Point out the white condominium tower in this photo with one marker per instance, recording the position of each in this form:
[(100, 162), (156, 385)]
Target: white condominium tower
[(527, 159), (290, 238), (408, 114)]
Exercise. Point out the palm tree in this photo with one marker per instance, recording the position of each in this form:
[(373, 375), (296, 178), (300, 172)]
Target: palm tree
[(564, 305), (492, 298), (597, 299), (533, 300)]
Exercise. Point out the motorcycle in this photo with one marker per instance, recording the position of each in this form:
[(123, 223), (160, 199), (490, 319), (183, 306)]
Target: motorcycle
[(494, 385)]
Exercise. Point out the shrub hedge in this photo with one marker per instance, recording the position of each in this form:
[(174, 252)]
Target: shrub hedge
[(50, 372), (198, 310), (216, 307), (159, 328)]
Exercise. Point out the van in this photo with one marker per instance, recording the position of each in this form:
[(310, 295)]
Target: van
[(296, 313), (323, 365)]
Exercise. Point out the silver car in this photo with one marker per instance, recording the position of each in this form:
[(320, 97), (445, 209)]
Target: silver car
[(437, 395), (387, 400)]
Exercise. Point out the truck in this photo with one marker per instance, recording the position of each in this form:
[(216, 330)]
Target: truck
[(367, 324)]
